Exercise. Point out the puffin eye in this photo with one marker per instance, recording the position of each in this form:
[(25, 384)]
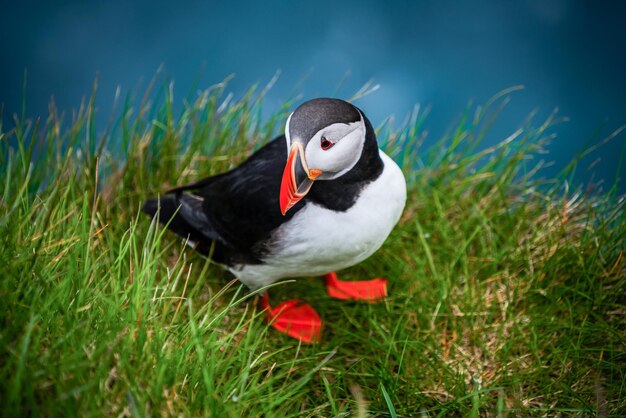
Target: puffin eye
[(326, 143)]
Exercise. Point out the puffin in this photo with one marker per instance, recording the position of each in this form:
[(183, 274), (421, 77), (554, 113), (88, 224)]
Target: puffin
[(318, 199)]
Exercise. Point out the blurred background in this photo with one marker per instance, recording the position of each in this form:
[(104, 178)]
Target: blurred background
[(445, 54)]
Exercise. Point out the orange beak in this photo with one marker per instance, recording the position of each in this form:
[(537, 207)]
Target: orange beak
[(297, 178)]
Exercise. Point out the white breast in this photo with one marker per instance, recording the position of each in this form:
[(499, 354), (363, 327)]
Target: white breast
[(318, 240)]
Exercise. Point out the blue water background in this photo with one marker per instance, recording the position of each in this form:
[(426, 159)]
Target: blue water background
[(567, 54)]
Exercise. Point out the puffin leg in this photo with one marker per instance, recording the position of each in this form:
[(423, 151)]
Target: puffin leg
[(368, 290), (294, 318)]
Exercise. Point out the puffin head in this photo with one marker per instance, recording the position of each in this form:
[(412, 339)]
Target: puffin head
[(325, 139)]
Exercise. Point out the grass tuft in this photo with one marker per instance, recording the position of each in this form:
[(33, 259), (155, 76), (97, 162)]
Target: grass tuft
[(506, 289)]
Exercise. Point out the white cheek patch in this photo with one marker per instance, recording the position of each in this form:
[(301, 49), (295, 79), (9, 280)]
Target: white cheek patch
[(343, 155)]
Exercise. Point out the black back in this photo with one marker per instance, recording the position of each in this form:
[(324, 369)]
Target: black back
[(243, 204)]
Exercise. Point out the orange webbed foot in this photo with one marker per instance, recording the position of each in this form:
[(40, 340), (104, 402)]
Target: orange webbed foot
[(367, 290), (294, 318)]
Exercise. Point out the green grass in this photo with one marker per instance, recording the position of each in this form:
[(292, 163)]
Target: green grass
[(506, 291)]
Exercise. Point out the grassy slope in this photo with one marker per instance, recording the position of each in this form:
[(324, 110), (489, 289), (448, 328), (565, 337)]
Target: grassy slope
[(506, 296)]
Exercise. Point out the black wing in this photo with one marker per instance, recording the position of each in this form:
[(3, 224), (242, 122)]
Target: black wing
[(235, 211)]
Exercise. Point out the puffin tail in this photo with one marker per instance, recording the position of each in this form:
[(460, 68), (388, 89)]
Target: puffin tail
[(183, 215), (166, 209)]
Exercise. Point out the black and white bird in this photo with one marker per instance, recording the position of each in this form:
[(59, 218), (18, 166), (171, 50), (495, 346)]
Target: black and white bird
[(318, 199)]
